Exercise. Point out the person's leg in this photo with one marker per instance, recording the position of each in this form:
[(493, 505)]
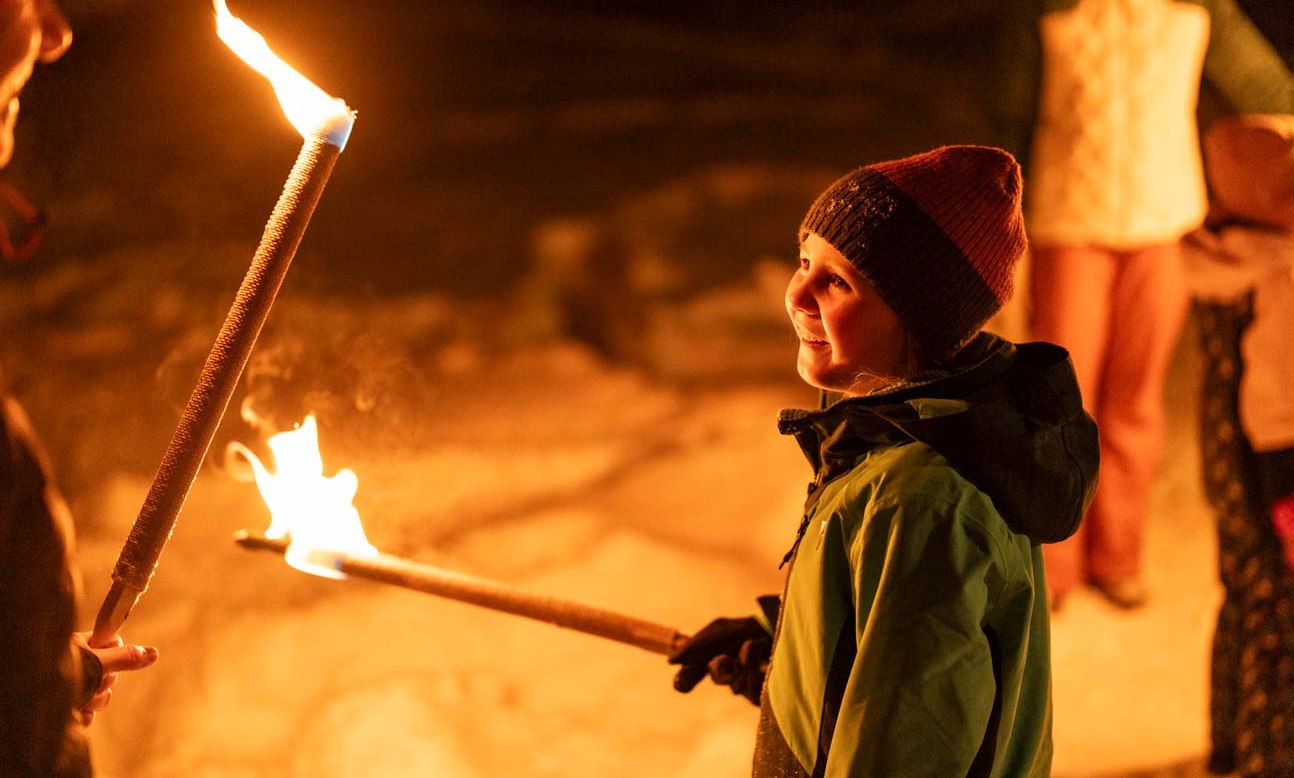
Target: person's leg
[(1069, 290), (1148, 310)]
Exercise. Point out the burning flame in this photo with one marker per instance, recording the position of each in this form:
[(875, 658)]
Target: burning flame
[(308, 108), (313, 510)]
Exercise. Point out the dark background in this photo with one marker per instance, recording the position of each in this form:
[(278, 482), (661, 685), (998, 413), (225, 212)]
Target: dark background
[(476, 121), (692, 134), (479, 120)]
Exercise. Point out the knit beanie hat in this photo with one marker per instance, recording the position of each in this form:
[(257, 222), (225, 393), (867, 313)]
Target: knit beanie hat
[(938, 234)]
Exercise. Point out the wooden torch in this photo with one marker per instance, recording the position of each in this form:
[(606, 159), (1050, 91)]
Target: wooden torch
[(325, 123)]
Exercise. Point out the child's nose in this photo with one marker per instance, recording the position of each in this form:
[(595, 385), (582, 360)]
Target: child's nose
[(798, 296)]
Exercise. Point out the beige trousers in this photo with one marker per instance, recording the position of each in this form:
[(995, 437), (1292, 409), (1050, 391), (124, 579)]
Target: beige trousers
[(1119, 313)]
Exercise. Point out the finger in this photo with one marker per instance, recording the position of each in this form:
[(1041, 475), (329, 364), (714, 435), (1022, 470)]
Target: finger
[(755, 652), (112, 642), (719, 636), (697, 649), (688, 677), (126, 657), (97, 702), (723, 669), (106, 682)]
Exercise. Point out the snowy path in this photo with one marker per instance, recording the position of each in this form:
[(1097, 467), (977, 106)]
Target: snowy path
[(270, 672)]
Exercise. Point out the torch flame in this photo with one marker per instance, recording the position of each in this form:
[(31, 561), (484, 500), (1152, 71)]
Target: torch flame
[(313, 510), (308, 108)]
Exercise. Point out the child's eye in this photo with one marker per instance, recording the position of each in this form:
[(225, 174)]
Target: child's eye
[(804, 263), (840, 283)]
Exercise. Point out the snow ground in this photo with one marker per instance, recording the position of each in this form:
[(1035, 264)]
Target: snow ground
[(675, 517)]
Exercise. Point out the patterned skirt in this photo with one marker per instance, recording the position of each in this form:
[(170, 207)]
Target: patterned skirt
[(1252, 689)]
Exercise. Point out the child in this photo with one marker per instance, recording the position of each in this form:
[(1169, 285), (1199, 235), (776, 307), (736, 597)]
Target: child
[(912, 637), (1241, 272)]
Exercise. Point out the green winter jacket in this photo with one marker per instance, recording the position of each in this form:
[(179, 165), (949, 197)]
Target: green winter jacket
[(913, 635)]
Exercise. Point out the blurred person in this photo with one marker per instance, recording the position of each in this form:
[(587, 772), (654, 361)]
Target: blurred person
[(52, 682), (1098, 101), (912, 635), (1240, 269)]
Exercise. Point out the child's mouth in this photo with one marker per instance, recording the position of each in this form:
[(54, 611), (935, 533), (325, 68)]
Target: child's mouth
[(810, 340)]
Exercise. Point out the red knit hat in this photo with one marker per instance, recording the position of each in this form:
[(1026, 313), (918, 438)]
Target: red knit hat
[(938, 234)]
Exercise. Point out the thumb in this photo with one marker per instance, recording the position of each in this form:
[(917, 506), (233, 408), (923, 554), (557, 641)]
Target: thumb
[(689, 676), (132, 657)]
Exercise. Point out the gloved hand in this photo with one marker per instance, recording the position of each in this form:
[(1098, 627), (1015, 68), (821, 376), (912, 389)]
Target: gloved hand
[(733, 652)]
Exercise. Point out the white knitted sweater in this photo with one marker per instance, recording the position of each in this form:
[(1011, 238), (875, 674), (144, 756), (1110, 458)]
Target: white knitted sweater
[(1116, 152)]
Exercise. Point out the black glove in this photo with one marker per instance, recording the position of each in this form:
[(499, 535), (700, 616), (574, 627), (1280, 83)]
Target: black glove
[(733, 652)]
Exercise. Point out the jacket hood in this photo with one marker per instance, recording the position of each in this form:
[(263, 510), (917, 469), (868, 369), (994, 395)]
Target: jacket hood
[(1009, 418)]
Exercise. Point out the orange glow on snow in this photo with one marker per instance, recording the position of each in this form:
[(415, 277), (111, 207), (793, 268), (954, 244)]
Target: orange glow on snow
[(315, 512), (310, 109)]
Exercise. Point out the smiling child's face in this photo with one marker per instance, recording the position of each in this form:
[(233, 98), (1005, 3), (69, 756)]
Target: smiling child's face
[(850, 340)]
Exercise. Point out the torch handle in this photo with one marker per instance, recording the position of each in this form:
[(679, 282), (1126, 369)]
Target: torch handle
[(657, 638), (224, 366)]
